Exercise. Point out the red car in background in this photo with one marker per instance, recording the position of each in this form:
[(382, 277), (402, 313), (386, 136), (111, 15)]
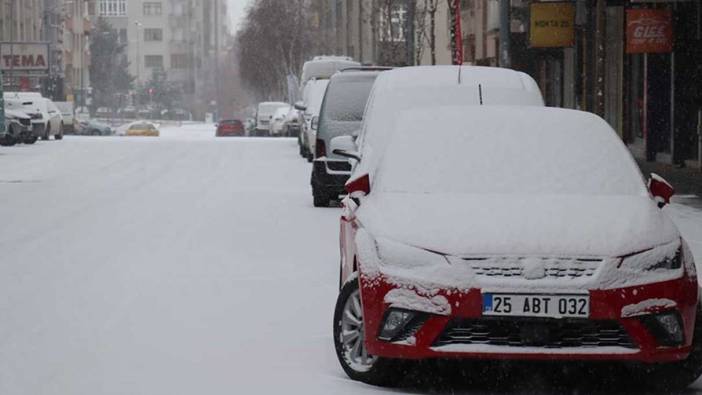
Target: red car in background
[(230, 127)]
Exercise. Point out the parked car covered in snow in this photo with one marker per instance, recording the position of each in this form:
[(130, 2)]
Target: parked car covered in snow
[(309, 108), (69, 121), (46, 117), (19, 128), (278, 121), (264, 114), (522, 233), (340, 115), (91, 127)]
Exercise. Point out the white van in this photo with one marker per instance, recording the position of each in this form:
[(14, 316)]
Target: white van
[(264, 114), (323, 67)]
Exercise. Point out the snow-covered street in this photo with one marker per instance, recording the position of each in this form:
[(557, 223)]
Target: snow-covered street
[(183, 264)]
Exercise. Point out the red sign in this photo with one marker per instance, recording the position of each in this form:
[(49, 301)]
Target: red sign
[(649, 31)]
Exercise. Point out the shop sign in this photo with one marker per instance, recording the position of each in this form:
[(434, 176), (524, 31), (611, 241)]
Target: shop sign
[(552, 25), (649, 31), (24, 57)]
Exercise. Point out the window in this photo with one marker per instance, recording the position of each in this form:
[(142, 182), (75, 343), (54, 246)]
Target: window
[(179, 61), (112, 8), (123, 36), (152, 8), (153, 35), (153, 61)]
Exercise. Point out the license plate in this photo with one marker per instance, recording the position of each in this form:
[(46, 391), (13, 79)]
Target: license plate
[(533, 305)]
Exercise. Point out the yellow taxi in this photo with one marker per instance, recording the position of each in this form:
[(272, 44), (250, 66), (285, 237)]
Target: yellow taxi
[(143, 129)]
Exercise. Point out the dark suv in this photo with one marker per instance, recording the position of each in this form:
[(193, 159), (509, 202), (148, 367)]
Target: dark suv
[(341, 114)]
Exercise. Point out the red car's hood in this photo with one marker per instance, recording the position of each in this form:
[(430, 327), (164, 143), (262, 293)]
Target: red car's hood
[(464, 225)]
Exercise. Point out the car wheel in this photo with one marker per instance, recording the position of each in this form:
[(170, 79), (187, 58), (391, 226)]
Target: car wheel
[(310, 158), (349, 341), (30, 139), (7, 141), (319, 198), (47, 132), (677, 376), (59, 136)]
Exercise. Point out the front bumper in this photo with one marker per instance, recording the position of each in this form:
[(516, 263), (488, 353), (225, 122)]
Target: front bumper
[(428, 338)]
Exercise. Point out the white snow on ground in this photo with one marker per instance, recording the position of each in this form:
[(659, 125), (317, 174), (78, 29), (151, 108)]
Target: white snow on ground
[(182, 264)]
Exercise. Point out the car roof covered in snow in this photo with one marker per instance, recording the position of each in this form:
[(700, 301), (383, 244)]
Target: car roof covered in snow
[(422, 87), (324, 67)]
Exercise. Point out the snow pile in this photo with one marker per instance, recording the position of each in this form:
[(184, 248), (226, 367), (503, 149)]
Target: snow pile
[(647, 306)]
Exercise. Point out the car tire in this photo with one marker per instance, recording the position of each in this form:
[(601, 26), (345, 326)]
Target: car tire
[(357, 364), (59, 136), (310, 158), (30, 139), (7, 141), (676, 376), (47, 132), (319, 198)]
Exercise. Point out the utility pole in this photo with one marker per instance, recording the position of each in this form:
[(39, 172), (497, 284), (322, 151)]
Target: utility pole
[(216, 60), (138, 59), (505, 34), (599, 51)]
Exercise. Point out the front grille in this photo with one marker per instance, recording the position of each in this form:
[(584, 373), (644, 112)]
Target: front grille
[(25, 122), (338, 166), (530, 332), (553, 267)]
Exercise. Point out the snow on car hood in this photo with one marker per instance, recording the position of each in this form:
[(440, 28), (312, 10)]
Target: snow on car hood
[(469, 225)]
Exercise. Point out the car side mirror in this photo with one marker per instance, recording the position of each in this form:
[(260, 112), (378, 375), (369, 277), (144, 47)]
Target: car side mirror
[(346, 147), (315, 122), (660, 189), (300, 106), (358, 187)]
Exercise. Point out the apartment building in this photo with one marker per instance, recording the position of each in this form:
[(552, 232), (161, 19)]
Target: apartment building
[(76, 46), (184, 38)]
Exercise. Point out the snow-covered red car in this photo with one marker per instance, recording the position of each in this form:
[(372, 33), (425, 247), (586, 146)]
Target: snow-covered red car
[(521, 233)]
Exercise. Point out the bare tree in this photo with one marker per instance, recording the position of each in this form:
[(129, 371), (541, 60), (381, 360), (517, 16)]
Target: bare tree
[(273, 43)]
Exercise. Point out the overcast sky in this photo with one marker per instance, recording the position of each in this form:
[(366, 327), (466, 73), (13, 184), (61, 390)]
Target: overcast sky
[(236, 12)]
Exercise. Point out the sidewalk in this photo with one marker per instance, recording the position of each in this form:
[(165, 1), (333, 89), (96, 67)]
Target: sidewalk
[(686, 181)]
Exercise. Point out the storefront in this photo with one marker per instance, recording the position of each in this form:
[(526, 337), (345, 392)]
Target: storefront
[(663, 73)]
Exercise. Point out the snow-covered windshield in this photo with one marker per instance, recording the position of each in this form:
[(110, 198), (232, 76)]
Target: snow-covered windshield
[(503, 150), (315, 96), (345, 99)]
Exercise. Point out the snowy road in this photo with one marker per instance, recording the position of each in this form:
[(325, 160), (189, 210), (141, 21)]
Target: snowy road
[(178, 265)]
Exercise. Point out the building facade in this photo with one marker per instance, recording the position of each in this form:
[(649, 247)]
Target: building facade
[(76, 45), (183, 38), (636, 63)]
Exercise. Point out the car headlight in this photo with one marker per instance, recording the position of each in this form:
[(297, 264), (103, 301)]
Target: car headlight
[(665, 257)]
